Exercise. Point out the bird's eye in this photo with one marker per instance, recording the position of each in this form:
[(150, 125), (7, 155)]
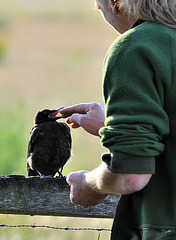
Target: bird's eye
[(45, 112)]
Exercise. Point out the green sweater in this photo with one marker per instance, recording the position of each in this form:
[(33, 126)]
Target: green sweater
[(139, 86)]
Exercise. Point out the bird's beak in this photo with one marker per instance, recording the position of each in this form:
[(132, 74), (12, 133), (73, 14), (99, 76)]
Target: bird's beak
[(56, 114)]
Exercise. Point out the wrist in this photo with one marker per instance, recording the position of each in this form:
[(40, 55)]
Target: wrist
[(93, 180)]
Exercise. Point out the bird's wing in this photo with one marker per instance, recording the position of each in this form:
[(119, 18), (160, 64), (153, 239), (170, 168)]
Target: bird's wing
[(34, 138)]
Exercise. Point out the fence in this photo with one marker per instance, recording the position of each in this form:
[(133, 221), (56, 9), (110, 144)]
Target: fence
[(47, 196)]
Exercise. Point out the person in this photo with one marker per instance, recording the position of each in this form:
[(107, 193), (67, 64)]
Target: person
[(138, 123)]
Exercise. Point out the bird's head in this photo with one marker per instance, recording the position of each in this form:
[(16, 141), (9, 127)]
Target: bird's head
[(47, 115)]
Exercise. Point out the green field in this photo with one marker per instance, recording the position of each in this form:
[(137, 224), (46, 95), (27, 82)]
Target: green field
[(51, 55)]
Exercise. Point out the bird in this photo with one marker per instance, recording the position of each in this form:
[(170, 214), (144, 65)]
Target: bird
[(49, 146)]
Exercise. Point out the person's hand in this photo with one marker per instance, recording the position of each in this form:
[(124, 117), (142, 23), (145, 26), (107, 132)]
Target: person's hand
[(90, 116), (81, 192)]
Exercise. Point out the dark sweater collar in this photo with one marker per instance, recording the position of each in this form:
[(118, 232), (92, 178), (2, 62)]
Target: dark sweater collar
[(138, 22)]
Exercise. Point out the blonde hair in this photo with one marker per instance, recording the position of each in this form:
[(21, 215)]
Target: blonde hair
[(161, 11)]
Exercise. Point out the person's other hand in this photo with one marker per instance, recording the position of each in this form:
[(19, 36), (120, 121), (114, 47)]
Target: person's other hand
[(81, 192), (90, 116)]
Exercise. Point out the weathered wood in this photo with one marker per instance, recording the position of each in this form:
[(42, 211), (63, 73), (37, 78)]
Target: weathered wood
[(46, 196)]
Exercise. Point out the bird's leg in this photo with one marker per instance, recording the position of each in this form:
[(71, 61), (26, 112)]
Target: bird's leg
[(43, 176), (60, 173), (39, 173), (48, 176)]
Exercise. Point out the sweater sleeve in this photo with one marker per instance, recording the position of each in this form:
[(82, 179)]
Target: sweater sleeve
[(134, 86)]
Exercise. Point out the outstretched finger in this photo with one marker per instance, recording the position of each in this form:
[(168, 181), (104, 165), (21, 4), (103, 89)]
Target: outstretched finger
[(78, 108)]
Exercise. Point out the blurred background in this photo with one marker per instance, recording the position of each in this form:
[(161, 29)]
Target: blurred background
[(51, 55)]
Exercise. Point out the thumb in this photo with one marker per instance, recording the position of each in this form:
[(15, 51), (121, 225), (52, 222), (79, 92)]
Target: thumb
[(74, 177)]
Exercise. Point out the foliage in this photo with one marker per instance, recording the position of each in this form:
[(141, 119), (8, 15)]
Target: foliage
[(12, 139)]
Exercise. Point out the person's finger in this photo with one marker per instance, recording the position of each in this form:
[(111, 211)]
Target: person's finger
[(70, 178), (68, 181), (76, 118), (75, 125), (78, 108)]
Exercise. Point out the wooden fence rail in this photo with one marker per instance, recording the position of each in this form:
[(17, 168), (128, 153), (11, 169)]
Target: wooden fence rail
[(47, 196)]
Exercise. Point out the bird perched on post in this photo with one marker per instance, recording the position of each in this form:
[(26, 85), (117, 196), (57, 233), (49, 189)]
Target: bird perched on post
[(49, 145)]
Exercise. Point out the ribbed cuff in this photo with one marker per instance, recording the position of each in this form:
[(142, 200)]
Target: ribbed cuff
[(129, 164)]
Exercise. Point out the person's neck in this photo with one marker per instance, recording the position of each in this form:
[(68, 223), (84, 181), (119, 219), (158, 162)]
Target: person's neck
[(124, 23)]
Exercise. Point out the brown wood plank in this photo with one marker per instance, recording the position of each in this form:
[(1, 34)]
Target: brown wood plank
[(47, 196)]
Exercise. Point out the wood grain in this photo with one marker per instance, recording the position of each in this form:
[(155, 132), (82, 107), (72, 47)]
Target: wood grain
[(47, 196)]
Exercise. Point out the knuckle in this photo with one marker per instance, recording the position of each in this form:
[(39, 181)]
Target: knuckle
[(69, 178), (76, 118), (74, 200), (95, 105)]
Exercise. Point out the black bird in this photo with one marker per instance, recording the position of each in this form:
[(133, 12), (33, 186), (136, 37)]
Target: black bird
[(49, 145)]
